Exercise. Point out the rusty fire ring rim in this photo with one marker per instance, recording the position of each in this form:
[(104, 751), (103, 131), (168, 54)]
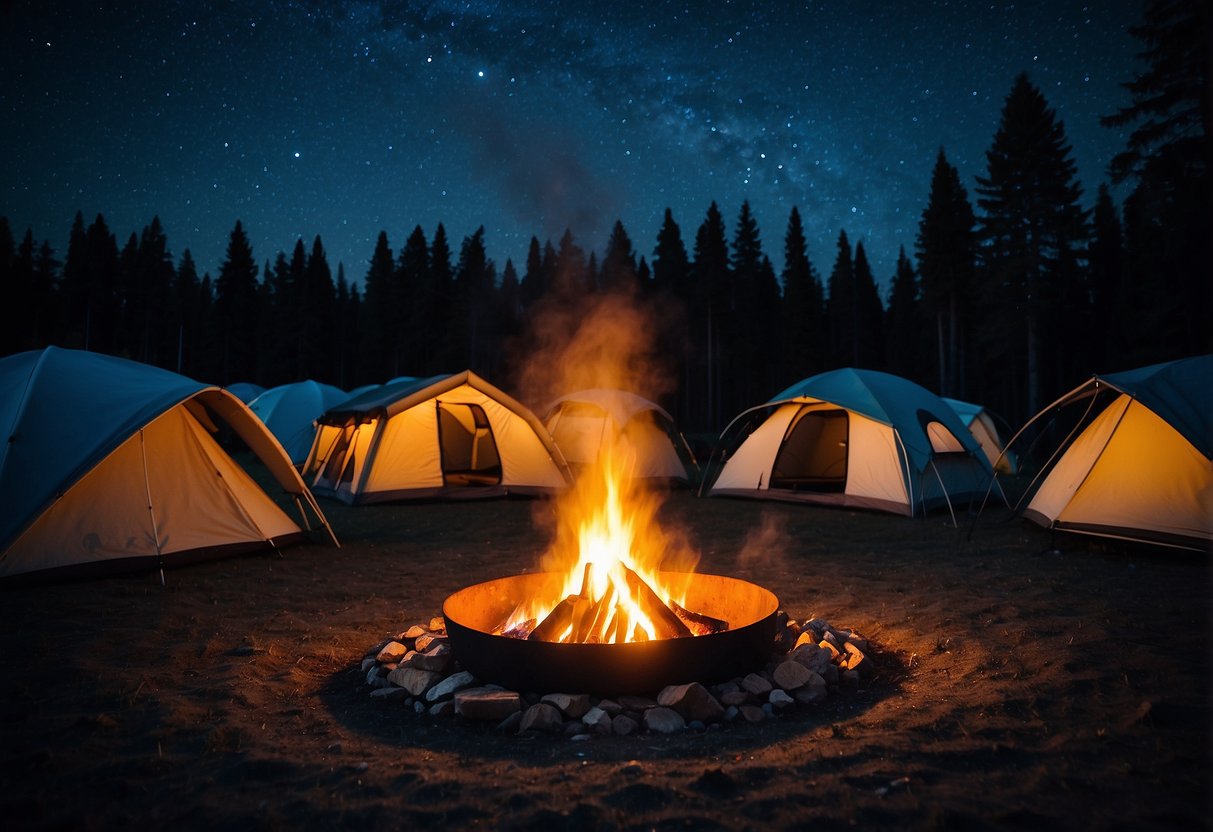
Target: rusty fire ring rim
[(632, 668)]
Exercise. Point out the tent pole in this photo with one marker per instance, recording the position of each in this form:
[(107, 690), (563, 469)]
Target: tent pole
[(947, 499), (151, 512)]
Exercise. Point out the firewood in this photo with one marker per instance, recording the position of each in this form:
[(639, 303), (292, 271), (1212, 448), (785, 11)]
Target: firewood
[(665, 623), (557, 621), (594, 623), (697, 622)]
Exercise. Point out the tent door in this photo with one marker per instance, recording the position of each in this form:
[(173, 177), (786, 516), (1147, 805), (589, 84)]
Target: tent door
[(469, 452), (813, 456)]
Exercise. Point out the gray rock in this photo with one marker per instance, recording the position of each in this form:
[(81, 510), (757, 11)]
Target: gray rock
[(752, 713), (487, 705), (757, 685), (597, 719), (392, 693), (413, 679), (735, 698), (611, 707), (415, 631), (780, 699), (542, 717), (447, 687), (438, 658), (815, 690), (622, 725), (791, 675), (636, 703), (445, 708), (573, 705), (663, 720), (692, 701)]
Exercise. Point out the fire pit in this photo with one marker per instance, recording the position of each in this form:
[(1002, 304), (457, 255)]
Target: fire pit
[(474, 613)]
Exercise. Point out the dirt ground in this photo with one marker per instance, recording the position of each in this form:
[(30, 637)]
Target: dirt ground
[(1020, 686)]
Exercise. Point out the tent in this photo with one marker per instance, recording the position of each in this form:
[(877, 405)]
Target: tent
[(856, 438), (113, 463), (445, 436), (290, 412), (1140, 468), (981, 423), (246, 391), (580, 422)]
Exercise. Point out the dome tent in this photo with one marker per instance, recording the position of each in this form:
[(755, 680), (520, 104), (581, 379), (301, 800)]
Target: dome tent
[(1140, 467), (852, 437), (113, 463), (452, 436), (580, 422), (290, 411), (982, 424)]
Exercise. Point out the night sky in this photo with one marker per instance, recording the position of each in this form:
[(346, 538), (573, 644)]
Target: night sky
[(346, 118)]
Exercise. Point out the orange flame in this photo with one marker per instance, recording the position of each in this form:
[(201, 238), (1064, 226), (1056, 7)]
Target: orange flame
[(607, 526)]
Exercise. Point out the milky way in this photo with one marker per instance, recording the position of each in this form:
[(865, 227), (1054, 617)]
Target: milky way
[(344, 119)]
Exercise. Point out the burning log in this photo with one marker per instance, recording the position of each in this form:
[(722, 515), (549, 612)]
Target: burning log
[(666, 624), (698, 623), (558, 621)]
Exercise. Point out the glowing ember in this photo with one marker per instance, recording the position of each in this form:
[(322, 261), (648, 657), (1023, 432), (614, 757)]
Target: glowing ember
[(611, 550)]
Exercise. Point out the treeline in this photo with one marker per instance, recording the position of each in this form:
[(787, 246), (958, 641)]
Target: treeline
[(1009, 299)]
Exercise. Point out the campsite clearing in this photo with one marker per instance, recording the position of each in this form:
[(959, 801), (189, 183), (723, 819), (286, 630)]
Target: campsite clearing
[(1018, 687)]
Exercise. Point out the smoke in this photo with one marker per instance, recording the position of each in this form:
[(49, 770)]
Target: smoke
[(590, 341), (764, 545)]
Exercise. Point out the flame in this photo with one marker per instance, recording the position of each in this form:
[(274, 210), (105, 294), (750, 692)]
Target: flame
[(607, 526)]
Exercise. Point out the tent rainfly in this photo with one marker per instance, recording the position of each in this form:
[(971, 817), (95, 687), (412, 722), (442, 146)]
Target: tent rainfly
[(981, 424), (445, 436), (246, 391), (110, 463), (1140, 468), (856, 438), (290, 412), (580, 422)]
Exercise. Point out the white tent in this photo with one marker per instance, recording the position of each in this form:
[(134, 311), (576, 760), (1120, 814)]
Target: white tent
[(114, 463), (290, 411), (581, 422), (981, 424), (446, 436), (856, 438), (1140, 468)]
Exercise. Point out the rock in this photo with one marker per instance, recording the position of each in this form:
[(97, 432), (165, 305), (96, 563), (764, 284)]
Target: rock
[(850, 679), (367, 664), (446, 708), (835, 652), (415, 631), (542, 717), (854, 658), (780, 699), (731, 713), (662, 720), (510, 724), (447, 687), (859, 641), (623, 725), (757, 685), (393, 651), (725, 687), (597, 720), (692, 701), (611, 707), (438, 658), (438, 624), (806, 637), (419, 707), (427, 640), (814, 690), (636, 703), (580, 738), (831, 674), (734, 698), (573, 705), (413, 679), (487, 705), (752, 713), (815, 658), (372, 676), (391, 692), (791, 675)]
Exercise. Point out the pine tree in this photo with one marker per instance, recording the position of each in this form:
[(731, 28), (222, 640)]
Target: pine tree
[(802, 314), (1170, 156), (1031, 226), (618, 271), (236, 308), (317, 317), (670, 264), (570, 277), (947, 258), (1114, 319), (869, 314), (376, 364), (442, 275), (188, 316), (416, 306), (841, 313), (753, 300), (15, 289), (905, 326), (533, 287), (706, 306)]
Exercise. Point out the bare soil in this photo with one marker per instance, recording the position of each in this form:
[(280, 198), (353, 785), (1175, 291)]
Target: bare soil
[(1019, 686)]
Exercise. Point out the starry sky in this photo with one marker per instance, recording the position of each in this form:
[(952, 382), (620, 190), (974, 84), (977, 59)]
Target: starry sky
[(345, 118)]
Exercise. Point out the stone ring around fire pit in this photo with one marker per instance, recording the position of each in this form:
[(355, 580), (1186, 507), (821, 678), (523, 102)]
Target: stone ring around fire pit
[(634, 667)]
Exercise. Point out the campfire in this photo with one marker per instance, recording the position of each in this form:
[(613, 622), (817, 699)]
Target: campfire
[(607, 613)]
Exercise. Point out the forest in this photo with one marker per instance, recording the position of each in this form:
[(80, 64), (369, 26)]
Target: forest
[(1011, 293)]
